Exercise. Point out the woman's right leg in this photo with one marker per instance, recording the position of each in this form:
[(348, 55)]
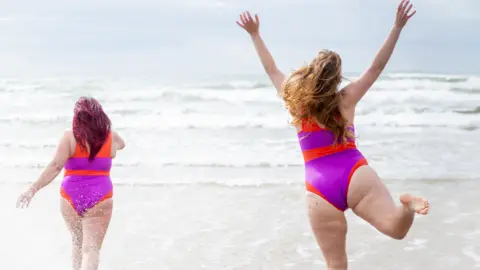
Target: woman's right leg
[(330, 228), (369, 199), (74, 224)]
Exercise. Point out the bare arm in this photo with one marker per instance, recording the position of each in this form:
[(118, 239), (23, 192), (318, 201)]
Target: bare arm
[(50, 172), (55, 166), (118, 141), (358, 88), (275, 75), (252, 27)]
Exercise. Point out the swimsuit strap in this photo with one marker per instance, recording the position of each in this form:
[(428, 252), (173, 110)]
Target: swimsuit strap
[(310, 125), (106, 149), (304, 123)]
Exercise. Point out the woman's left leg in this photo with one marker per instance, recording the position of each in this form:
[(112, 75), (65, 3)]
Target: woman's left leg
[(330, 228), (95, 226)]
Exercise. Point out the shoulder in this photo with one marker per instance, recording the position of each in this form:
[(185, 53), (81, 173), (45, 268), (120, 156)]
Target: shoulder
[(114, 135), (68, 141), (68, 135)]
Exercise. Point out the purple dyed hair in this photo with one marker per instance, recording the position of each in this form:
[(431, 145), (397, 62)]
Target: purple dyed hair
[(91, 125)]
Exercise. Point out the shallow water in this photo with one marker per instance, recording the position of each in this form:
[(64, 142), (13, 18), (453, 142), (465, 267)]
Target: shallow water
[(212, 175)]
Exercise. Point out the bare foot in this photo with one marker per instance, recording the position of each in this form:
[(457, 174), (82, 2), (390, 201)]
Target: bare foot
[(417, 204)]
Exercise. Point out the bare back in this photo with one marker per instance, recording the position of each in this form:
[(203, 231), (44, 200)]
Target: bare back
[(346, 109)]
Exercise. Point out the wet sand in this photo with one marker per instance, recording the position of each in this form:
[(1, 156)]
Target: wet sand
[(212, 226)]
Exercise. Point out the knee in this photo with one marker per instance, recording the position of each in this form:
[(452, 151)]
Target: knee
[(393, 230), (397, 235)]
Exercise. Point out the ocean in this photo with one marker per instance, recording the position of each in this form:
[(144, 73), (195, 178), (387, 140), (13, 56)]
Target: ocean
[(212, 175)]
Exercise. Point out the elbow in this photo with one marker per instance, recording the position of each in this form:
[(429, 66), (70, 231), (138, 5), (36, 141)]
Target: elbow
[(118, 142), (56, 167), (121, 146)]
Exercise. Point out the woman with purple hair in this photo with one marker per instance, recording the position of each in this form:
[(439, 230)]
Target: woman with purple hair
[(86, 154)]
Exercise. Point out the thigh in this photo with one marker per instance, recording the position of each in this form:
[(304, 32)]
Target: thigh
[(72, 219), (95, 224), (369, 198), (330, 228)]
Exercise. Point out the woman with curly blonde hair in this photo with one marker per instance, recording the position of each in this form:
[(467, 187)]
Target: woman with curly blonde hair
[(338, 176)]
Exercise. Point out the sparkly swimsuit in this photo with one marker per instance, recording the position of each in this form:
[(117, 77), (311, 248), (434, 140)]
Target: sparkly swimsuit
[(86, 183)]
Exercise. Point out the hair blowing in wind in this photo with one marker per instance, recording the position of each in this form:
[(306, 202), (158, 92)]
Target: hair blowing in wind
[(311, 93), (91, 125)]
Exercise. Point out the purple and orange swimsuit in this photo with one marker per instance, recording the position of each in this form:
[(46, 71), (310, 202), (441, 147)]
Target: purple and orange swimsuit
[(328, 167), (86, 183)]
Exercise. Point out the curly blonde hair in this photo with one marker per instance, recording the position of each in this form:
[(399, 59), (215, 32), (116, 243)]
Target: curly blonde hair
[(311, 94)]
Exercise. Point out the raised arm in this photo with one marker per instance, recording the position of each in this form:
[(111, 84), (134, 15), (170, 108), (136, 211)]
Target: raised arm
[(50, 172), (358, 88), (252, 27)]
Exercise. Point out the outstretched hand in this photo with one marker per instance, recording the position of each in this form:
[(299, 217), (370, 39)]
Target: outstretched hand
[(24, 199), (404, 13), (248, 23)]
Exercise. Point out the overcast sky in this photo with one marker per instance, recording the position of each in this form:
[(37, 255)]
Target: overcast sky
[(183, 37)]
